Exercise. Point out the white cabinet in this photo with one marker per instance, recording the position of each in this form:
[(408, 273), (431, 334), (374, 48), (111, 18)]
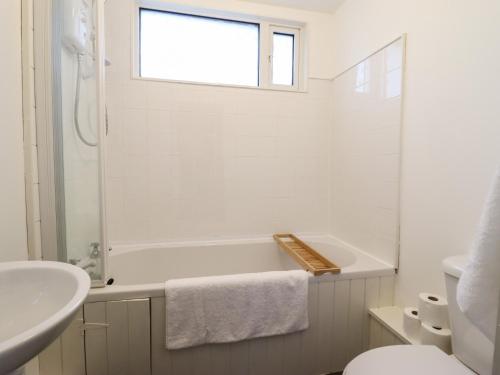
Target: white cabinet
[(117, 337), (105, 338)]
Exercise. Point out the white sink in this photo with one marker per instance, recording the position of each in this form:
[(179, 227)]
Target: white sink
[(37, 302)]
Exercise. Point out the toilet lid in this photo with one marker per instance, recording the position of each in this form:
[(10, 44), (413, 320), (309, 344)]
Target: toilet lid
[(407, 360)]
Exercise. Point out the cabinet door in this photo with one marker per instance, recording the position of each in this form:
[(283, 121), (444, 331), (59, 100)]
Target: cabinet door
[(66, 355), (117, 338)]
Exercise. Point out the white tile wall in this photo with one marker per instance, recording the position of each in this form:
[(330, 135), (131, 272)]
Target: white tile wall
[(191, 161), (187, 168)]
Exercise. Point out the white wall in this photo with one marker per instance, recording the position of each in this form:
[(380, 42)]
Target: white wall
[(193, 161), (12, 194), (451, 134)]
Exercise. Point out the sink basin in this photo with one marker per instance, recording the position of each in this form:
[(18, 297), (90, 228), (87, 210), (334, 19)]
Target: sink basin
[(38, 300)]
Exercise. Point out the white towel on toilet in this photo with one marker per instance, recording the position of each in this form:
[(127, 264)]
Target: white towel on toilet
[(479, 286), (230, 308)]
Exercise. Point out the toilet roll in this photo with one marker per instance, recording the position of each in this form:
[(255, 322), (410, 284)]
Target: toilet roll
[(411, 323), (432, 335), (433, 310)]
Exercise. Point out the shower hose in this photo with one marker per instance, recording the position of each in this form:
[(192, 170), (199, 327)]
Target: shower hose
[(77, 104)]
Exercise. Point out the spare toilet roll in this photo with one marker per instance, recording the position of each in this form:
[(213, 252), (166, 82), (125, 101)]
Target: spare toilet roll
[(440, 337), (411, 323), (433, 310)]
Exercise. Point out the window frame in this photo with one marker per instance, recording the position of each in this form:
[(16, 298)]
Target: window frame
[(267, 28)]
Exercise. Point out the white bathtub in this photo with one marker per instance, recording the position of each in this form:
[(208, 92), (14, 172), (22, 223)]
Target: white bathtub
[(141, 270), (337, 308)]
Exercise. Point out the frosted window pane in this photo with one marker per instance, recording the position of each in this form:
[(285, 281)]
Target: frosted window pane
[(191, 48), (283, 56)]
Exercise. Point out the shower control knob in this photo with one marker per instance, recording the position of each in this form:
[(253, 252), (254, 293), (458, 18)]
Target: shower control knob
[(94, 250)]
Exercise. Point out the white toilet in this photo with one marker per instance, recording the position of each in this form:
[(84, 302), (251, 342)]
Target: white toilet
[(473, 352)]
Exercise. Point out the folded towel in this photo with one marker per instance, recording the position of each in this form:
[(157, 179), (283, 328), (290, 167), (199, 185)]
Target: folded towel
[(479, 286), (230, 308)]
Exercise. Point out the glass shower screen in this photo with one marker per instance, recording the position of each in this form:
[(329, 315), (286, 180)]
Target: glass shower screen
[(78, 119)]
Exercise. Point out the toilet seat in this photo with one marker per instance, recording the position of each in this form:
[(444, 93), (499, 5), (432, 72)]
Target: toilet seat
[(407, 360)]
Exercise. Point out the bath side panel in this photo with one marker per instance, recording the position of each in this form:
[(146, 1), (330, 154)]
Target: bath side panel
[(339, 330)]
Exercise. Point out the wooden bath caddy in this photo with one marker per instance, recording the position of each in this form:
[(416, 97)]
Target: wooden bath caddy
[(305, 255)]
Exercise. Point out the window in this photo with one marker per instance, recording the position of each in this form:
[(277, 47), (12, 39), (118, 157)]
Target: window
[(283, 58), (198, 48)]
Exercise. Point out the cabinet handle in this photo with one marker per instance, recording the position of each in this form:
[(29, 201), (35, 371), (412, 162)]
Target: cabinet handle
[(92, 326)]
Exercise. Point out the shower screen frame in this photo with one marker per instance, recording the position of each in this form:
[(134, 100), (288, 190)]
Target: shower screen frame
[(48, 96)]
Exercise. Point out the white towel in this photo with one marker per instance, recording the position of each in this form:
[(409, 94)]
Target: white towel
[(479, 285), (230, 308)]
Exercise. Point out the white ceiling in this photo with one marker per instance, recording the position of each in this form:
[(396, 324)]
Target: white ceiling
[(328, 6)]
